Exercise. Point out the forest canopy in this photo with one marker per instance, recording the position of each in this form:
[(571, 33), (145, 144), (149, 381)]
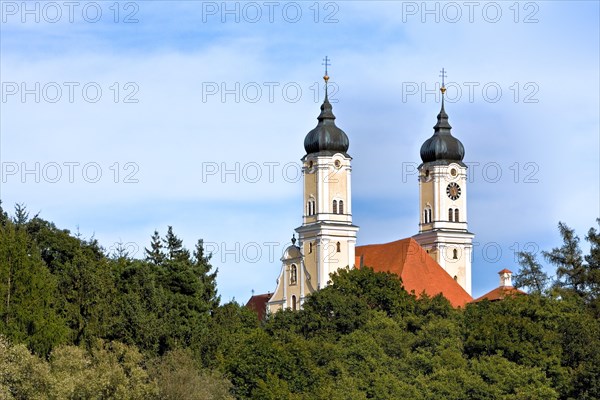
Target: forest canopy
[(80, 322)]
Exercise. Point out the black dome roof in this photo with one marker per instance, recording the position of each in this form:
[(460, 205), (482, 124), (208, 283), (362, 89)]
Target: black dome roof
[(442, 145), (326, 137)]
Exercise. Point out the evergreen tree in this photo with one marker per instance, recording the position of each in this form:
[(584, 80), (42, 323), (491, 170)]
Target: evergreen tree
[(593, 261), (531, 275), (21, 214), (119, 251), (155, 255), (28, 307), (167, 300), (174, 246), (571, 272), (3, 215), (87, 287), (209, 279)]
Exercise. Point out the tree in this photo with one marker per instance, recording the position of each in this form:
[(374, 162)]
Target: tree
[(593, 261), (571, 272), (119, 251), (174, 246), (3, 215), (142, 305), (21, 215), (343, 306), (179, 378), (522, 329), (108, 371), (87, 286), (23, 376), (531, 275), (28, 307), (203, 269), (85, 293), (166, 301), (155, 255)]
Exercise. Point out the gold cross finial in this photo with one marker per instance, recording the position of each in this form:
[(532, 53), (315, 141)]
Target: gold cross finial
[(326, 64), (443, 76)]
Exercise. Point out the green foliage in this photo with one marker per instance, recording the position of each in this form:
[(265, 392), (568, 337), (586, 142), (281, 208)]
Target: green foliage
[(179, 378), (3, 215), (21, 215), (568, 259), (531, 276), (58, 288), (28, 293), (22, 375), (155, 255), (77, 323), (393, 345), (593, 273), (166, 302), (108, 371), (343, 306)]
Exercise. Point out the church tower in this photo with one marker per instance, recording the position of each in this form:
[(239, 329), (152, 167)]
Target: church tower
[(443, 229), (327, 237)]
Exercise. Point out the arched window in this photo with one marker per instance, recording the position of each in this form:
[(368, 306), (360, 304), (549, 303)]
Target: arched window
[(455, 277), (294, 303), (456, 215), (339, 247), (311, 207), (293, 274), (427, 215), (310, 247), (455, 254), (341, 206), (335, 206), (450, 214)]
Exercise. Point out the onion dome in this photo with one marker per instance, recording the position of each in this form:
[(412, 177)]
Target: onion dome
[(326, 138), (442, 146)]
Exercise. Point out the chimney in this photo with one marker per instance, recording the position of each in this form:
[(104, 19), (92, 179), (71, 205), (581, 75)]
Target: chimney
[(505, 278)]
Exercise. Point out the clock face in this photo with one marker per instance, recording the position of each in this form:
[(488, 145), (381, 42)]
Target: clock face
[(453, 190)]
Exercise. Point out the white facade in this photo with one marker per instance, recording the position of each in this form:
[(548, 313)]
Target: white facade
[(327, 237), (443, 229)]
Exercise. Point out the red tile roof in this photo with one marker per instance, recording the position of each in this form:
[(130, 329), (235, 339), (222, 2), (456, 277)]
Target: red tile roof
[(500, 293), (258, 304), (505, 271), (418, 270)]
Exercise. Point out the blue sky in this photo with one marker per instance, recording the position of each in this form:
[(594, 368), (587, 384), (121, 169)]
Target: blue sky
[(149, 141)]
